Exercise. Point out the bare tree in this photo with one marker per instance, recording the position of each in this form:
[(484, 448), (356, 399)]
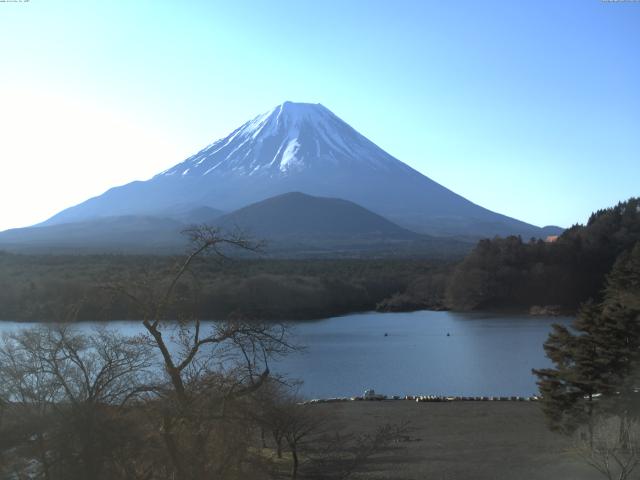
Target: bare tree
[(208, 367), (614, 448), (302, 424), (29, 390), (279, 410), (64, 387), (269, 411)]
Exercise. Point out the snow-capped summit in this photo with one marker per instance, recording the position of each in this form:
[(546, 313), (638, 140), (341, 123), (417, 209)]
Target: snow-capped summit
[(290, 137), (300, 147)]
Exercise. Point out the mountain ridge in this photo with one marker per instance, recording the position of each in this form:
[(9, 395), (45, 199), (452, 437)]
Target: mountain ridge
[(303, 147)]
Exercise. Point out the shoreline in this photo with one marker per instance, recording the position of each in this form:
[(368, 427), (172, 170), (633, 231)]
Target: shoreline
[(496, 312), (426, 399)]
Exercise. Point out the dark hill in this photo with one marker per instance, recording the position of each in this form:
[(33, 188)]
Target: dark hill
[(297, 215)]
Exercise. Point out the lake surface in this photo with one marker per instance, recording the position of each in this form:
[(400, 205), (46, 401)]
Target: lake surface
[(484, 354)]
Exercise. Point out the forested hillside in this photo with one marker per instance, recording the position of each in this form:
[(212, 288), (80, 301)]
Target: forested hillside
[(512, 273), (79, 287)]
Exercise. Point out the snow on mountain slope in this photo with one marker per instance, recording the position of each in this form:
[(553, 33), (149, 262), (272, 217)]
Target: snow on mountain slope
[(301, 147), (290, 138)]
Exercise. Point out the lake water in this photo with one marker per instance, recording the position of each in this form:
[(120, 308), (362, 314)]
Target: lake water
[(484, 354)]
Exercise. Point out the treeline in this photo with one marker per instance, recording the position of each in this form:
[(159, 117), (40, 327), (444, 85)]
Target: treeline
[(65, 287), (512, 273)]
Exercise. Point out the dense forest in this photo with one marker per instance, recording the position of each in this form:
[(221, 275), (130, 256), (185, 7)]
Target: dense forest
[(89, 287), (511, 273)]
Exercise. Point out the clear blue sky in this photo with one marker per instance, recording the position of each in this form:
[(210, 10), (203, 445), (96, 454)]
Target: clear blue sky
[(529, 108)]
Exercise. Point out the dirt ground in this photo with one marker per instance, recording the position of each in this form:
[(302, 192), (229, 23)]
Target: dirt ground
[(464, 440)]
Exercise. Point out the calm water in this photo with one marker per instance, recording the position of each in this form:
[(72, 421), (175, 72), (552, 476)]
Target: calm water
[(483, 354)]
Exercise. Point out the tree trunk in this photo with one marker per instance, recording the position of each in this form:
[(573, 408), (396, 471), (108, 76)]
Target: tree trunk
[(294, 468), (89, 454), (590, 419), (264, 442), (42, 450), (278, 440), (172, 448)]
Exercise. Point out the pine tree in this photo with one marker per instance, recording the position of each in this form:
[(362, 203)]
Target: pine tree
[(597, 361), (621, 328), (569, 390)]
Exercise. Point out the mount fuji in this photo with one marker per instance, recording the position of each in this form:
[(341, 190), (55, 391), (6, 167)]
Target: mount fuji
[(300, 147)]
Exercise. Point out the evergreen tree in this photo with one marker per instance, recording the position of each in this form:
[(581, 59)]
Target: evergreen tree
[(597, 361), (621, 328), (569, 390)]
